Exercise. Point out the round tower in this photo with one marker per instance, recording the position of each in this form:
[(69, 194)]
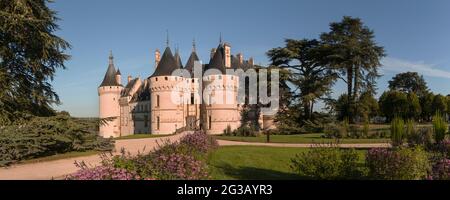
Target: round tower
[(109, 93), (166, 96), (221, 92)]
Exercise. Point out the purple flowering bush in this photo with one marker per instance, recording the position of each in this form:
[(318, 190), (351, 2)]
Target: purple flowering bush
[(398, 163), (103, 172), (183, 160), (441, 170), (179, 167), (199, 142)]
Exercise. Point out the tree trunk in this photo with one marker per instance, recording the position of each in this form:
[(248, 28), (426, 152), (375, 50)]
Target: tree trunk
[(349, 91), (355, 91)]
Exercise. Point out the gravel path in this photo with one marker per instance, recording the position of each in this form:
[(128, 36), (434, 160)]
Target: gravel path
[(59, 168), (236, 143)]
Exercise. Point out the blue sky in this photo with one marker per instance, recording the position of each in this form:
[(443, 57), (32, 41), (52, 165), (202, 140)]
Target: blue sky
[(415, 34)]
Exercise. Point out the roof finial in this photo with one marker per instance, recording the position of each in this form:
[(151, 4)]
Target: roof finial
[(111, 57), (220, 40), (194, 48), (167, 37)]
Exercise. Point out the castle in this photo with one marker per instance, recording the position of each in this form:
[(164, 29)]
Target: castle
[(166, 102)]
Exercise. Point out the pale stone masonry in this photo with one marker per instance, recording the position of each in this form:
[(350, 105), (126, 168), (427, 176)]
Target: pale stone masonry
[(150, 106)]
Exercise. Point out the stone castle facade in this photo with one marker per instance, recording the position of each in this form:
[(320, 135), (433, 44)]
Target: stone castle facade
[(165, 103)]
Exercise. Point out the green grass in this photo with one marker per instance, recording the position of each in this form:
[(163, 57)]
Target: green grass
[(255, 163), (300, 139), (141, 136), (73, 154)]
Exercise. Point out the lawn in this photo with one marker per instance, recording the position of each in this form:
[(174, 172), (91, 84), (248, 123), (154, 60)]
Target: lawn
[(140, 136), (300, 139), (266, 163)]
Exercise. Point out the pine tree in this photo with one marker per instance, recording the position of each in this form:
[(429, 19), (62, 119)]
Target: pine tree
[(30, 54)]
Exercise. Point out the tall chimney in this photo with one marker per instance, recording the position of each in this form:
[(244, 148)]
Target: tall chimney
[(129, 78), (251, 61), (213, 51), (157, 57), (240, 58), (227, 48)]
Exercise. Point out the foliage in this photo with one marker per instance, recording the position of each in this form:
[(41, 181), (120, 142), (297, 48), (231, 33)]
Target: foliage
[(307, 72), (409, 82), (439, 127), (102, 173), (398, 164), (397, 132), (31, 53), (185, 160), (426, 103), (327, 163), (350, 48), (414, 109), (44, 136), (199, 142), (439, 104), (420, 137), (441, 170), (244, 131), (393, 103)]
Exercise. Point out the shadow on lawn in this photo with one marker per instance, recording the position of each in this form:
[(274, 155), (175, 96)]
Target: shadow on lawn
[(252, 173)]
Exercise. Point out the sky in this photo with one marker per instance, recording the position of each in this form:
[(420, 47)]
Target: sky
[(415, 35)]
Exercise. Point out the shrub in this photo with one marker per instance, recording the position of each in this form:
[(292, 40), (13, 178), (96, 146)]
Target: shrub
[(444, 148), (179, 167), (410, 128), (246, 131), (441, 170), (185, 159), (327, 163), (366, 129), (227, 131), (420, 137), (104, 172), (46, 136), (199, 142), (398, 164), (397, 131), (439, 127)]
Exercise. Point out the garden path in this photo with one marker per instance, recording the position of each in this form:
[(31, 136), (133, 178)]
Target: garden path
[(236, 143)]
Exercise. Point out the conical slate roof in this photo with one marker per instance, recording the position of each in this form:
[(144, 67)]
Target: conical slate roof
[(191, 61), (110, 76), (178, 60), (167, 64), (218, 60)]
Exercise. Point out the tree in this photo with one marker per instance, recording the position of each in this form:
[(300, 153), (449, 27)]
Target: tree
[(368, 106), (351, 50), (439, 104), (309, 76), (409, 82), (426, 103), (340, 107), (414, 109), (448, 106), (394, 104), (30, 54)]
